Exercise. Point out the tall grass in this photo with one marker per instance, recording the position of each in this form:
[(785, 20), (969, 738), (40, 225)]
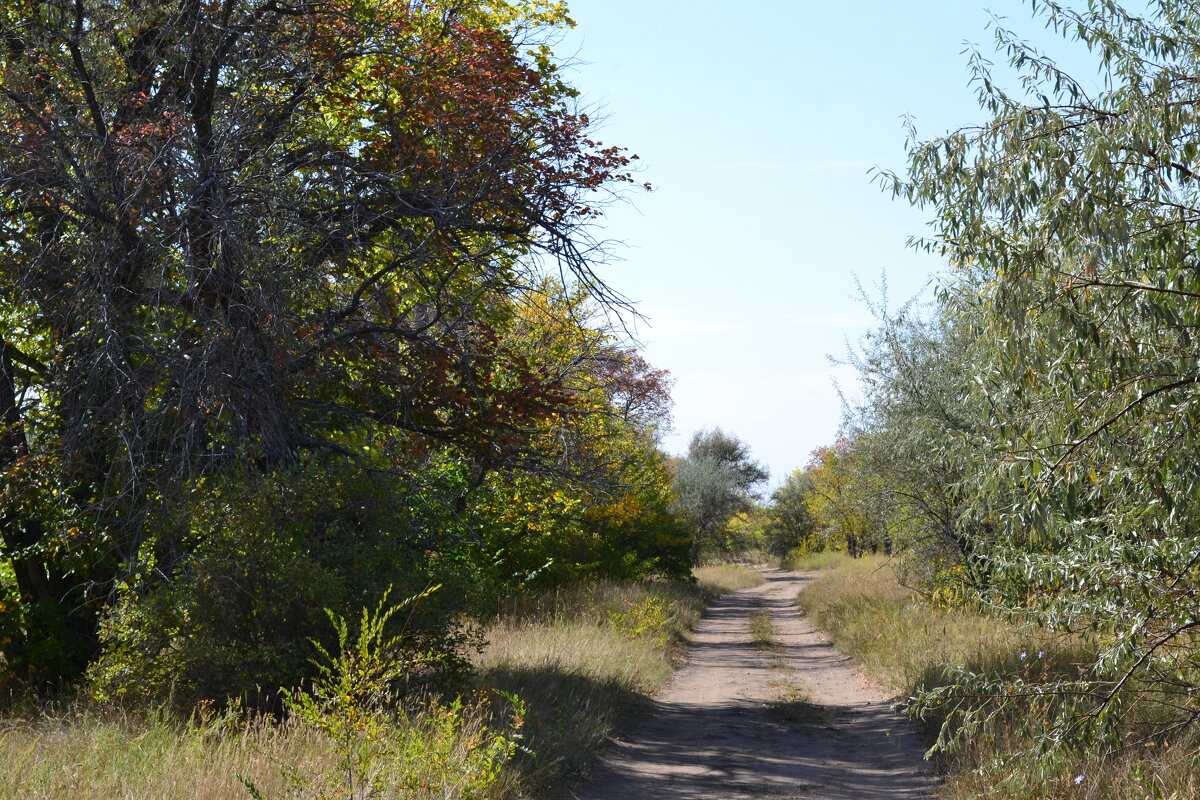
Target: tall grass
[(902, 642), (802, 561), (908, 645), (717, 579), (586, 658), (110, 755), (581, 660)]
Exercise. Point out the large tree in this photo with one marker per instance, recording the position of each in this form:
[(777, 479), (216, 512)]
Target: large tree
[(1070, 217), (235, 233)]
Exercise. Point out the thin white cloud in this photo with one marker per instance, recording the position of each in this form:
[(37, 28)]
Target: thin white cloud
[(804, 166), (664, 323)]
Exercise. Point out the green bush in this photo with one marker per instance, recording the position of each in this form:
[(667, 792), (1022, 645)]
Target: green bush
[(228, 601), (446, 751)]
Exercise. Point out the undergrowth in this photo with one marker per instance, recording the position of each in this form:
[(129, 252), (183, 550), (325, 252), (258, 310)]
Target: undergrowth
[(561, 671), (911, 646)]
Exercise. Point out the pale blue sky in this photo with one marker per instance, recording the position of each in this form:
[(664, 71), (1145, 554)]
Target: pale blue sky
[(757, 123)]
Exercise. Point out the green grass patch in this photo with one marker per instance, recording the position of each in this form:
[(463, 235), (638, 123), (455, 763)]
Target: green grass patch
[(762, 631)]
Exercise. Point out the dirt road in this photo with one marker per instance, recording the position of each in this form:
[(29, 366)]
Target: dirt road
[(731, 726)]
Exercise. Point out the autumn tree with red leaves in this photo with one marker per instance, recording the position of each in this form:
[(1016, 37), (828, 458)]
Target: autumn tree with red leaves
[(252, 234)]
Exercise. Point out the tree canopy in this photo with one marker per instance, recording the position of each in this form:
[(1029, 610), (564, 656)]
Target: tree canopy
[(299, 300), (714, 481), (1043, 424)]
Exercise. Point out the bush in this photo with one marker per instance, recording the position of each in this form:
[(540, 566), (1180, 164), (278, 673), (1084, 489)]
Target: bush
[(229, 603), (446, 751)]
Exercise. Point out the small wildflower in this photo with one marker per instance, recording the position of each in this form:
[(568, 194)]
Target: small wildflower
[(1078, 779), (1023, 655), (1040, 653)]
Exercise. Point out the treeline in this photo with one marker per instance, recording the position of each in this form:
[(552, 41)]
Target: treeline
[(297, 306), (1029, 442)]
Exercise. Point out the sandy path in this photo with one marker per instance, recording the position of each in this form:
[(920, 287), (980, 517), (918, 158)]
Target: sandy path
[(712, 734)]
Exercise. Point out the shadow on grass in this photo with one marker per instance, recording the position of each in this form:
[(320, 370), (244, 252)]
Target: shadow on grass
[(569, 720)]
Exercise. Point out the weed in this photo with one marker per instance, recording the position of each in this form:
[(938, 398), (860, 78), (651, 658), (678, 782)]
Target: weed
[(762, 631), (792, 703), (445, 751)]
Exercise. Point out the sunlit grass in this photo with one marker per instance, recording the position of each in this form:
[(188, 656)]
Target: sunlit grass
[(803, 562), (585, 659), (110, 755), (907, 645), (582, 658), (718, 579)]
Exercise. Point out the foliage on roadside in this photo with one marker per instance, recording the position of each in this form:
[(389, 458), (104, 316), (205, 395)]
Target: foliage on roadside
[(1028, 440), (296, 302), (571, 663), (918, 649)]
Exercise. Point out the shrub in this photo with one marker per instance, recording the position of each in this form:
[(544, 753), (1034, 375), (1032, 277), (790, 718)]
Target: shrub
[(228, 600), (445, 752)]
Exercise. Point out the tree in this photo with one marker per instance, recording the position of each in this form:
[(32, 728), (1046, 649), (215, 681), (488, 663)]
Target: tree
[(1070, 219), (916, 434), (236, 235), (790, 526), (716, 480), (843, 503)]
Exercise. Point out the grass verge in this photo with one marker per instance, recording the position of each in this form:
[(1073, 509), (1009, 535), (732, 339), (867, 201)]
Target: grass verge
[(584, 659), (717, 579), (908, 645), (802, 562), (580, 659)]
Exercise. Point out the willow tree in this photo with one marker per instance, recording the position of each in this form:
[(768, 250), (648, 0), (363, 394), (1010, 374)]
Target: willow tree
[(1071, 217), (715, 481)]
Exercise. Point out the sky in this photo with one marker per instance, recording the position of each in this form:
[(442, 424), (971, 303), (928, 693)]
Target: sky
[(757, 123)]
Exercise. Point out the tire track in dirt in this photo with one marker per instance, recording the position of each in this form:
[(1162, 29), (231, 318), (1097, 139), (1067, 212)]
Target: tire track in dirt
[(713, 735)]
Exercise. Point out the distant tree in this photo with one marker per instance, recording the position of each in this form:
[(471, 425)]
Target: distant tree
[(716, 480), (843, 499), (789, 523)]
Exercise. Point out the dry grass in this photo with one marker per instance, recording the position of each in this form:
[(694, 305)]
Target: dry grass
[(717, 579), (582, 659), (907, 644), (803, 562), (902, 642), (114, 756), (585, 659)]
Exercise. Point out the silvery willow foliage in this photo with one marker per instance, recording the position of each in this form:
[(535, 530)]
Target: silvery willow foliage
[(1070, 219)]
